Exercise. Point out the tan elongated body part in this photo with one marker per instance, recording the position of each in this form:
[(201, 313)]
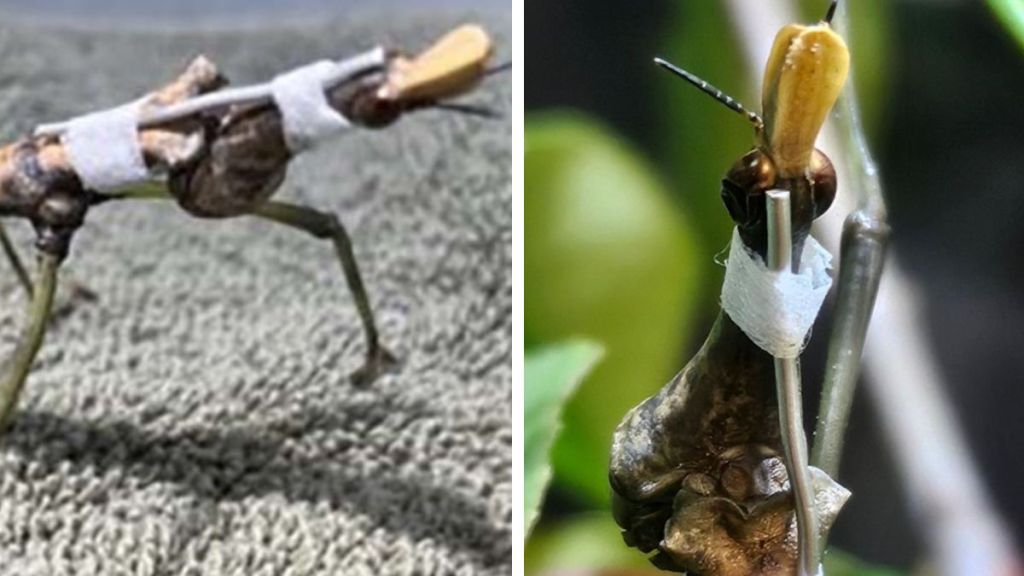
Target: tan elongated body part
[(452, 66), (806, 71)]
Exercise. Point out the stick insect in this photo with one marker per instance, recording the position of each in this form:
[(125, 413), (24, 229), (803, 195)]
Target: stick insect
[(223, 154), (711, 474)]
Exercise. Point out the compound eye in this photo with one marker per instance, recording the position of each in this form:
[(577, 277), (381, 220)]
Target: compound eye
[(744, 185), (366, 109), (735, 200), (823, 182)]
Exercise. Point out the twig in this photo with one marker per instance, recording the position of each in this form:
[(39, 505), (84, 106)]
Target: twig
[(868, 230)]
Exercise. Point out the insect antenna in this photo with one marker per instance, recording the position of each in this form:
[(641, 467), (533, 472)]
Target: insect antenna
[(498, 69), (469, 110), (710, 90), (831, 12)]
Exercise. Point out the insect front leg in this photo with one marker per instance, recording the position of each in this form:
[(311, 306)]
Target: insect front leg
[(327, 226), (16, 263), (862, 257), (16, 369)]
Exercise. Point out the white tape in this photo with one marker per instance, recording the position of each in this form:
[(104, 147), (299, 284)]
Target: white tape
[(775, 309), (307, 118), (103, 148)]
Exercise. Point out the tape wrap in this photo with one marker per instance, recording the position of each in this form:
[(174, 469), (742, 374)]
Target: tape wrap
[(775, 309), (103, 148), (306, 116)]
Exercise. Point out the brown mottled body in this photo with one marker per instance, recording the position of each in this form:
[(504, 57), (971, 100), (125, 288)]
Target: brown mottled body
[(692, 467), (246, 159), (695, 470), (713, 417)]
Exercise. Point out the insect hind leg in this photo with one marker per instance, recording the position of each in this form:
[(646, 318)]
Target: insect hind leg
[(327, 226), (76, 293)]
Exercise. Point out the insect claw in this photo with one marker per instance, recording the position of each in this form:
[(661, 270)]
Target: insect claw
[(378, 362)]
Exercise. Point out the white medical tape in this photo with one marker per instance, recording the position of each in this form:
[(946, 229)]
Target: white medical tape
[(775, 309), (307, 117), (103, 148)]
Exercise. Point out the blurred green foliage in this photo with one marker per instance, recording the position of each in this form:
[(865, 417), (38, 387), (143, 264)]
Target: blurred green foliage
[(838, 563), (608, 258), (1011, 14), (702, 138), (589, 540), (552, 375)]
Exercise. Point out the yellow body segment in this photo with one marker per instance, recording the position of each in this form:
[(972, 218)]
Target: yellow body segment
[(453, 65), (806, 71)]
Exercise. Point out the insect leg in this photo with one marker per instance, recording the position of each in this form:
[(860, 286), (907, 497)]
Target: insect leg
[(12, 256), (78, 292), (326, 226), (862, 256), (16, 369)]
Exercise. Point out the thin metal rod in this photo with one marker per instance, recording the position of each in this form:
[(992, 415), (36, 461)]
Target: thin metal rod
[(15, 371), (862, 257), (257, 94), (787, 381)]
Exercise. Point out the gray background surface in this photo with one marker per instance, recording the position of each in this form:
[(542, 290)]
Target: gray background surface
[(198, 418)]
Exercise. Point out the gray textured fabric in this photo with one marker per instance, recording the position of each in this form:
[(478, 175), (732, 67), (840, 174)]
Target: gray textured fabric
[(198, 419)]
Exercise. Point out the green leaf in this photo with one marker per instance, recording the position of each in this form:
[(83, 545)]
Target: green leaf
[(608, 258), (552, 375), (1011, 14), (587, 541), (838, 563)]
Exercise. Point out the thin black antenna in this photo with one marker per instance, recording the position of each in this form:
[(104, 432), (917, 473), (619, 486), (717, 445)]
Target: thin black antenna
[(469, 110), (831, 12), (710, 90), (498, 69)]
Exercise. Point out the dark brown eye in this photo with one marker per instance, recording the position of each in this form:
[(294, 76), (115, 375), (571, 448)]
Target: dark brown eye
[(823, 182), (744, 186), (735, 200), (366, 109)]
